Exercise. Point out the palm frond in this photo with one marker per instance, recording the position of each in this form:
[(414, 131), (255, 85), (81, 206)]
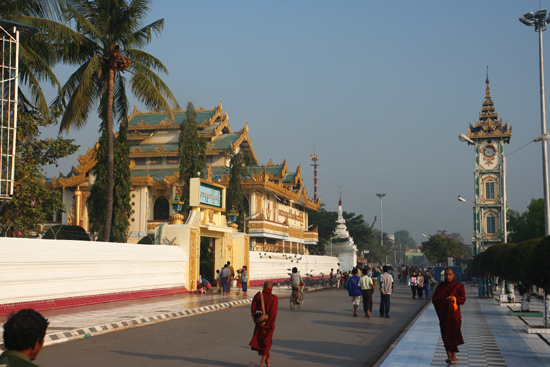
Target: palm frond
[(151, 90), (82, 89), (148, 60)]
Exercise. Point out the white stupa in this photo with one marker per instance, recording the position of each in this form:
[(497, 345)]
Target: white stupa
[(342, 244)]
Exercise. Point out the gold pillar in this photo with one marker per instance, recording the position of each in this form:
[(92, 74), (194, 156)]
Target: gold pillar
[(78, 204)]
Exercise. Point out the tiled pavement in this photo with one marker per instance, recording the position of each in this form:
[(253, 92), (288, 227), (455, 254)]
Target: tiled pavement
[(492, 338)]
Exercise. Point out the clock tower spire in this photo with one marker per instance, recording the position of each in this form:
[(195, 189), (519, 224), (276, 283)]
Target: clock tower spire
[(489, 136)]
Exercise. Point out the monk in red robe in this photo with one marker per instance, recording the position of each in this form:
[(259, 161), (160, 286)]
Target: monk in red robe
[(447, 298), (263, 334)]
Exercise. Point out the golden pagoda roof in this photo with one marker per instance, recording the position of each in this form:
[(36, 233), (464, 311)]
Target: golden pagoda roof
[(489, 126)]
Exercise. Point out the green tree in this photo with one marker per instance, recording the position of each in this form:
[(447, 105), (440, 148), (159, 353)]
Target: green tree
[(440, 246), (114, 37), (121, 206), (404, 238), (192, 152), (238, 169), (32, 201), (527, 225), (325, 222)]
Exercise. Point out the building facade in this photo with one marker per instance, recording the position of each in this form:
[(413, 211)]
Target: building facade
[(275, 198)]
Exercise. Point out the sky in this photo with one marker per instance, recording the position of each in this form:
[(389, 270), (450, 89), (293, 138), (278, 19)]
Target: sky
[(381, 90)]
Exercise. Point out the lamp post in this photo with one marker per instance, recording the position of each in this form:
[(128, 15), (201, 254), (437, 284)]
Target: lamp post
[(176, 218), (331, 244), (539, 21), (381, 195), (544, 137)]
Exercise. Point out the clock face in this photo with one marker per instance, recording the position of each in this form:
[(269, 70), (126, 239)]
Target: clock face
[(489, 151)]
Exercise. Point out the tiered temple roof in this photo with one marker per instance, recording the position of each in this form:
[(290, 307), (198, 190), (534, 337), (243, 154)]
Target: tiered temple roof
[(489, 126)]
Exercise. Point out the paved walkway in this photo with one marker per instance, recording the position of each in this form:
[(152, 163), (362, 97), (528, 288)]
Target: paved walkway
[(492, 338), (81, 322)]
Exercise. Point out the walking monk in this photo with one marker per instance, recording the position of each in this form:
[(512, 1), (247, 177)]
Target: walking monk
[(447, 298), (263, 334)]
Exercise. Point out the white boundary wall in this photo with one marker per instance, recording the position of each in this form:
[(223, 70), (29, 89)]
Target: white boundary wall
[(32, 269), (262, 267)]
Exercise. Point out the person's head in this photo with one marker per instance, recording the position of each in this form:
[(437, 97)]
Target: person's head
[(225, 266), (385, 268), (365, 271), (294, 269), (331, 269), (217, 271), (24, 332), (354, 271), (268, 285), (449, 274), (229, 263), (414, 273), (244, 267)]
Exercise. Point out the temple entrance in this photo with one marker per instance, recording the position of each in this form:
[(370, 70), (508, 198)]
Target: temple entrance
[(207, 258)]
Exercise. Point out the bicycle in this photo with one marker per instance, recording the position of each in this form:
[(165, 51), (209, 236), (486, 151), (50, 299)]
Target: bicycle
[(294, 301)]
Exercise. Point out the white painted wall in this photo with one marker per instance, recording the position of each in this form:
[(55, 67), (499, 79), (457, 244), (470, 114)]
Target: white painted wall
[(32, 269), (277, 267)]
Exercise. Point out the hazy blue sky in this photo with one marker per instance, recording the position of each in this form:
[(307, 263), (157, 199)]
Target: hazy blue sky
[(381, 89)]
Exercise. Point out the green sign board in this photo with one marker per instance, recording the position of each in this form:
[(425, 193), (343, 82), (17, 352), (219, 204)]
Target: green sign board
[(210, 195)]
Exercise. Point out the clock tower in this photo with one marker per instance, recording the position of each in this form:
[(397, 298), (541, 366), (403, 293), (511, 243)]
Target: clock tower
[(489, 136)]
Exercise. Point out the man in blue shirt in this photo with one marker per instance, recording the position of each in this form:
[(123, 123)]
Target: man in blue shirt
[(354, 291)]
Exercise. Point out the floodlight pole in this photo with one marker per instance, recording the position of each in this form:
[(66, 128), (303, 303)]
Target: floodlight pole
[(380, 195), (539, 21)]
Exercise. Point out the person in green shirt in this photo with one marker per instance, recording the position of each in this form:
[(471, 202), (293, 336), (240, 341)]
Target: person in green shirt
[(367, 286), (24, 334)]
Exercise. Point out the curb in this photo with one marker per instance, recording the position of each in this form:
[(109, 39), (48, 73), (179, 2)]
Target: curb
[(401, 336)]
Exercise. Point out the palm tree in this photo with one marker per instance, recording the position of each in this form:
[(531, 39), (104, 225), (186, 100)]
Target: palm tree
[(114, 35), (37, 54)]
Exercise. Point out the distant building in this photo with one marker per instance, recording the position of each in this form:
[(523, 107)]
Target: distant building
[(275, 198)]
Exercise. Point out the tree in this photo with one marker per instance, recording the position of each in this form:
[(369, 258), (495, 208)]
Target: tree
[(192, 152), (113, 35), (32, 201), (121, 205), (538, 272), (527, 225), (441, 246), (238, 169), (404, 238)]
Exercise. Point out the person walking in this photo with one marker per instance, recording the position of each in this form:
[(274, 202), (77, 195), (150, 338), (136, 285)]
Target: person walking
[(338, 279), (427, 284), (225, 276), (386, 289), (331, 281), (447, 298), (413, 284), (367, 287), (244, 280), (354, 291), (262, 339), (420, 285)]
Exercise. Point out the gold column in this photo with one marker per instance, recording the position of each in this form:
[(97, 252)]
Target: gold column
[(78, 204)]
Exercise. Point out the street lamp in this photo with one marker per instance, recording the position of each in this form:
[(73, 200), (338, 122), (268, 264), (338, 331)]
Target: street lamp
[(460, 198), (544, 137), (381, 195), (539, 21)]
